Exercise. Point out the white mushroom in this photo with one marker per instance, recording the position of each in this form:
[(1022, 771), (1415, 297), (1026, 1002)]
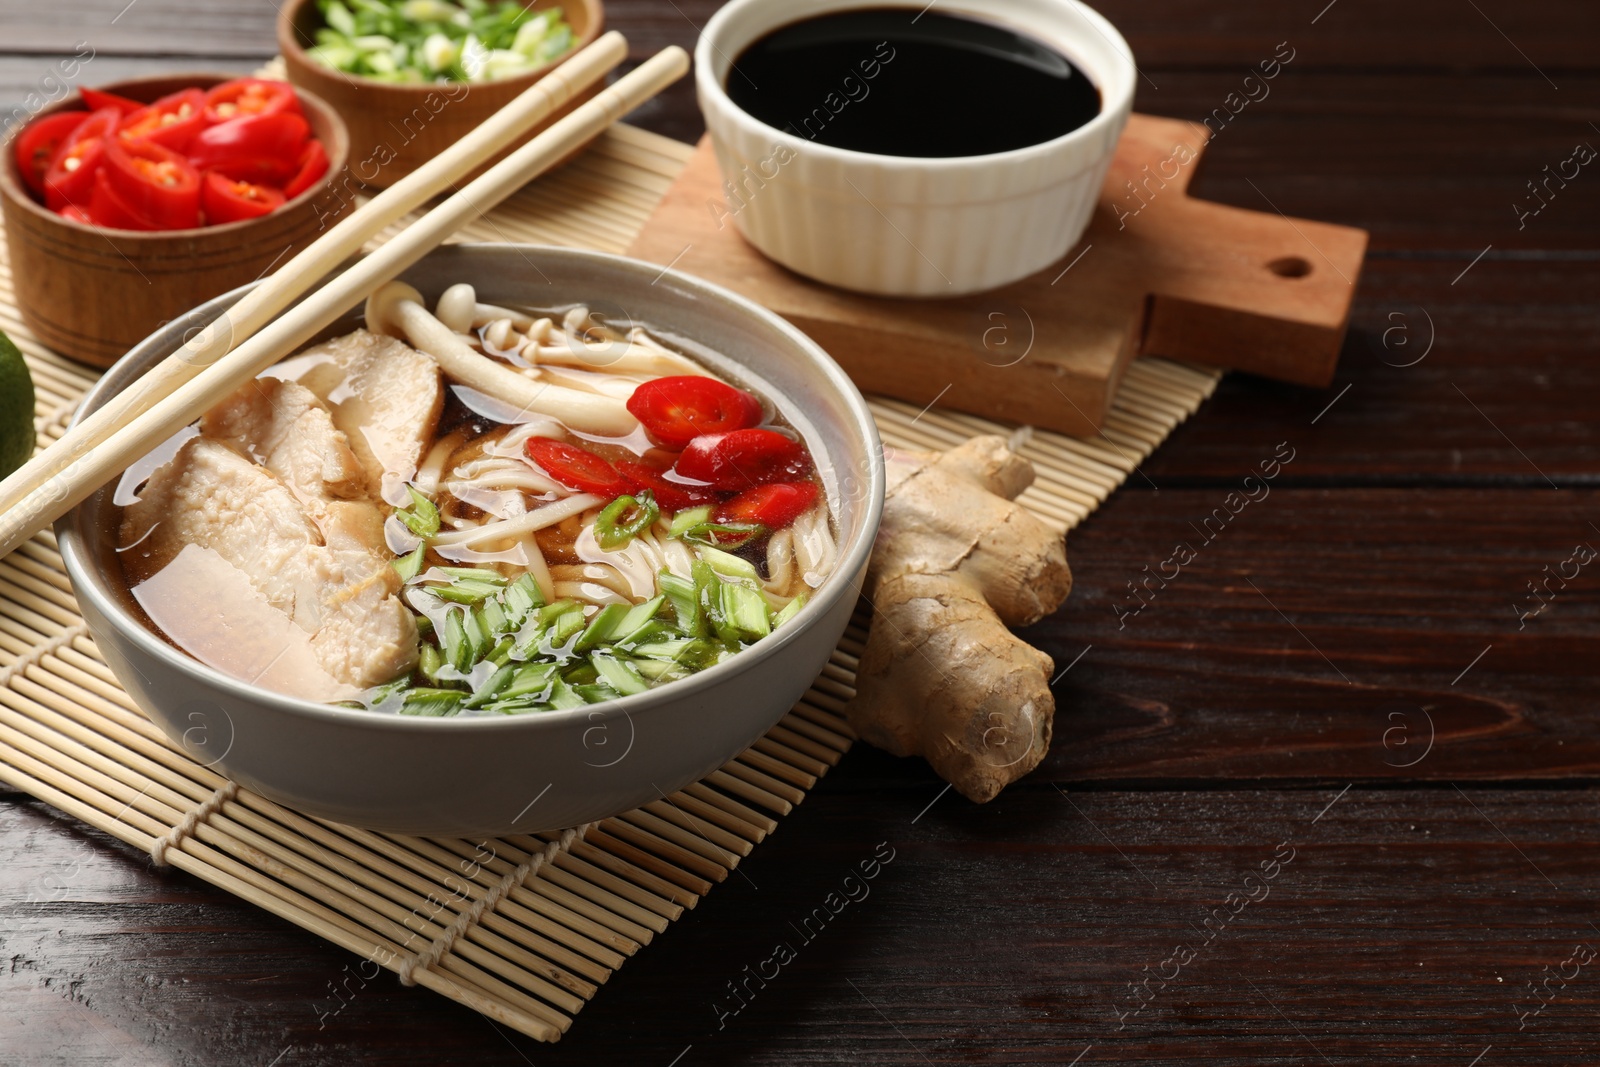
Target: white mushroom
[(457, 306), (396, 309), (487, 313)]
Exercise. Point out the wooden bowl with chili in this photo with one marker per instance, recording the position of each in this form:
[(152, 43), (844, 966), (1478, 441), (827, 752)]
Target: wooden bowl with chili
[(396, 127), (91, 291)]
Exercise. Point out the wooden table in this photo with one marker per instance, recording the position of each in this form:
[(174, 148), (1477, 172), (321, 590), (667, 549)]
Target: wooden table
[(1329, 799)]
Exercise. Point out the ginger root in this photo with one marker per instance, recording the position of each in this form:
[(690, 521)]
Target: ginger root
[(956, 563)]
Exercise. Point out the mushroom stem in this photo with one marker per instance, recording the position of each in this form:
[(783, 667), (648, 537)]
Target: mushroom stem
[(396, 309)]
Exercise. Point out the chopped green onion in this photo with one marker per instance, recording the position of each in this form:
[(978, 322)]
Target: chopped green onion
[(478, 636), (490, 688), (410, 565), (457, 651), (688, 519), (432, 703), (531, 680), (602, 627), (429, 660), (501, 653), (413, 41), (520, 598), (632, 625), (494, 616), (466, 592), (624, 519), (728, 565), (790, 610), (562, 697), (338, 16), (565, 627), (744, 613), (422, 518), (619, 675), (475, 574), (685, 605)]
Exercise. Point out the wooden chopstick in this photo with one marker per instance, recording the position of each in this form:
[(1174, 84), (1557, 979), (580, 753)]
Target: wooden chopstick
[(257, 307), (157, 416)]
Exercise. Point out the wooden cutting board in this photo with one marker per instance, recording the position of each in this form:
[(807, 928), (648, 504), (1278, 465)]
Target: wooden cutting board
[(1157, 273)]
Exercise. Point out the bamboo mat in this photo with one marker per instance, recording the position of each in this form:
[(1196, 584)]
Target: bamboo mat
[(533, 925)]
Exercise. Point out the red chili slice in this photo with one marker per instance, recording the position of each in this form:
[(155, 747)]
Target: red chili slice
[(773, 506), (70, 179), (157, 183), (39, 142), (95, 99), (742, 459), (672, 496), (226, 200), (313, 165), (576, 468), (249, 96), (678, 409), (264, 149), (171, 122), (76, 214), (107, 207)]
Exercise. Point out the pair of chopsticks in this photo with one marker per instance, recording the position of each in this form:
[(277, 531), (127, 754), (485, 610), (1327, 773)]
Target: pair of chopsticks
[(252, 335)]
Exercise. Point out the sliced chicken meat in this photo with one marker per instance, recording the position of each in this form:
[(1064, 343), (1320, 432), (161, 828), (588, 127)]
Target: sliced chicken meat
[(385, 396), (334, 581), (287, 429)]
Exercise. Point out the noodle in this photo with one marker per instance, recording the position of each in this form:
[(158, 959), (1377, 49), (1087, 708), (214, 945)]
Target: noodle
[(780, 563), (538, 519)]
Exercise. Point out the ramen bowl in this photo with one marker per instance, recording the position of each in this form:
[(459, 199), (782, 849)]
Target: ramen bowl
[(518, 773)]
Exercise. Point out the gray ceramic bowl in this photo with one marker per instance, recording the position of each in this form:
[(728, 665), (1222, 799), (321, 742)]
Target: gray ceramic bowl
[(489, 776)]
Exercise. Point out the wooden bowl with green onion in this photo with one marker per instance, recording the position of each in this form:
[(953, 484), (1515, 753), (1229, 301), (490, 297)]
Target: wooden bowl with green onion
[(405, 101)]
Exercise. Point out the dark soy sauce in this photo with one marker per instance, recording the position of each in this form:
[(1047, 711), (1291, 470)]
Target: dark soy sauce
[(893, 82)]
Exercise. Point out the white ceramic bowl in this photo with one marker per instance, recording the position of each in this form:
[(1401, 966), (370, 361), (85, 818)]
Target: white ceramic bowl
[(521, 773), (900, 226)]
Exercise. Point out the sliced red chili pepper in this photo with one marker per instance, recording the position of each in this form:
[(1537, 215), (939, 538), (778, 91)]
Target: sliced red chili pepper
[(76, 214), (313, 165), (264, 149), (743, 458), (107, 208), (773, 506), (249, 96), (225, 200), (39, 142), (672, 496), (576, 468), (171, 122), (157, 183), (95, 99), (680, 408), (70, 179)]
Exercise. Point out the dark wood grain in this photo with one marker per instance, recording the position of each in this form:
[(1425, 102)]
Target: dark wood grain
[(1328, 633), (1490, 381), (1192, 742), (1406, 926)]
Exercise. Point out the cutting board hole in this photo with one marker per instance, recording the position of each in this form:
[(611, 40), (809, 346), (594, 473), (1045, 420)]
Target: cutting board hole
[(1290, 267)]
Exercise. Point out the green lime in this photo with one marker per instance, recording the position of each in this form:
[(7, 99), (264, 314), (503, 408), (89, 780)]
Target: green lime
[(16, 408)]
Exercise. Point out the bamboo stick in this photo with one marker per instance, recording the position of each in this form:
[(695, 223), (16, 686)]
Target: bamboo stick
[(160, 418)]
